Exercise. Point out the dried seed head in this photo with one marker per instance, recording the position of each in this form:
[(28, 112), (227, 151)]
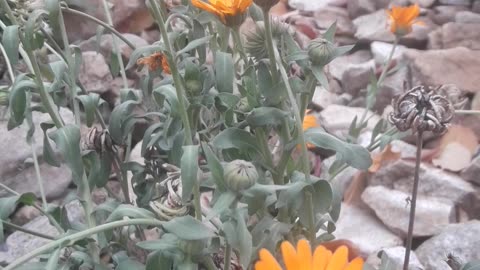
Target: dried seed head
[(454, 94), (97, 140), (422, 109), (155, 62), (266, 4)]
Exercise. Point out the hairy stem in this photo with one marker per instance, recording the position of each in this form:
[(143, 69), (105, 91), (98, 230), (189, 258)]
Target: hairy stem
[(228, 257), (413, 202), (269, 44), (311, 218)]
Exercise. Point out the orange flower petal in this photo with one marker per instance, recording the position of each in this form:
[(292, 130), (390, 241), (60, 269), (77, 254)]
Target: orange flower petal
[(339, 259), (267, 261), (304, 254), (290, 258), (321, 256), (356, 264)]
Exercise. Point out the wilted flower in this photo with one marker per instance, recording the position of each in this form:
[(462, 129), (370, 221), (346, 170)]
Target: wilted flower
[(309, 121), (230, 12), (302, 258), (422, 109), (403, 18), (266, 4), (155, 62)]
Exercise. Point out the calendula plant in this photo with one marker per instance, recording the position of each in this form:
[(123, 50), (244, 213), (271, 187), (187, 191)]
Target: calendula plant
[(225, 112)]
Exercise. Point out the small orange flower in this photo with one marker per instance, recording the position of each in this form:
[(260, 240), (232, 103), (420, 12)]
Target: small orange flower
[(310, 121), (302, 258), (403, 18), (230, 12), (155, 62)]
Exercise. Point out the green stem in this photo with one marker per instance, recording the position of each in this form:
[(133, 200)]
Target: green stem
[(262, 140), (38, 174), (13, 192), (269, 44), (115, 45), (387, 64), (9, 65), (209, 264), (413, 202), (80, 235), (180, 89), (99, 22), (25, 230), (228, 257), (22, 52), (238, 42), (4, 6), (311, 218)]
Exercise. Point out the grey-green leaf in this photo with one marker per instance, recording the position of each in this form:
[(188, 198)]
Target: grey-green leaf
[(67, 140), (189, 170), (224, 72), (11, 42), (188, 228)]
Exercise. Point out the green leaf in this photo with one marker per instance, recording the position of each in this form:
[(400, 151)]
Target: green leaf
[(130, 264), (99, 167), (114, 64), (224, 72), (473, 265), (387, 263), (215, 167), (236, 138), (222, 203), (189, 170), (18, 99), (354, 155), (156, 261), (90, 103), (67, 140), (266, 116), (53, 9), (11, 42), (8, 205), (273, 92), (52, 263), (372, 90), (330, 33), (239, 237), (48, 153), (127, 210), (339, 51), (194, 44), (320, 76), (167, 93), (32, 40), (188, 228), (121, 119)]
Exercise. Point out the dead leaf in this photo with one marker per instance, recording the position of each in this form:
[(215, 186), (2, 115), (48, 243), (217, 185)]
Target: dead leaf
[(456, 149), (382, 158), (353, 192)]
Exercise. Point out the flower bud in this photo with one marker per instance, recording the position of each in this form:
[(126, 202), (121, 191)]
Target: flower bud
[(240, 175), (266, 4), (321, 51)]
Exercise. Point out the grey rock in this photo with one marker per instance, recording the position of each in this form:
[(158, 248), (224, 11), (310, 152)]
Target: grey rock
[(423, 3), (445, 14), (17, 170), (357, 8), (397, 256), (381, 51), (337, 119), (323, 98), (460, 240), (343, 179), (472, 172), (393, 86), (341, 64), (476, 6), (452, 35), (365, 230), (325, 17), (456, 2), (434, 183), (459, 66), (357, 77), (308, 5), (94, 73), (19, 243), (467, 17), (391, 207), (106, 44)]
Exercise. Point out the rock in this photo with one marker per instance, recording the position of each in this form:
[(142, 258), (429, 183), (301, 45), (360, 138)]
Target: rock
[(374, 27), (459, 66), (131, 16), (392, 87), (94, 73), (325, 17), (434, 183), (365, 230), (460, 239), (78, 28), (445, 14), (472, 172), (381, 51), (323, 98), (396, 255), (341, 64), (452, 35), (337, 119), (17, 169), (106, 44), (343, 179), (307, 5), (467, 17), (455, 2), (476, 6), (358, 8), (392, 208), (19, 243), (423, 3), (357, 77)]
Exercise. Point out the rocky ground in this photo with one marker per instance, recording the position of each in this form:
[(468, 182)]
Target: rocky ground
[(446, 50)]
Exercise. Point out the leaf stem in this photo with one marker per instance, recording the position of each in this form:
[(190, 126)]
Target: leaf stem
[(22, 229), (413, 202), (311, 218), (228, 257), (269, 44), (80, 235), (38, 174)]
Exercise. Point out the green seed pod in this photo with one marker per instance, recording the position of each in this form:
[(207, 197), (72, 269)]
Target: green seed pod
[(321, 51), (240, 175), (266, 4)]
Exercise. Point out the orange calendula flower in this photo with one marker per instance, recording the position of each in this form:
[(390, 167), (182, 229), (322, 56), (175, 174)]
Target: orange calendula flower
[(155, 62), (403, 18), (303, 259), (230, 12), (310, 121)]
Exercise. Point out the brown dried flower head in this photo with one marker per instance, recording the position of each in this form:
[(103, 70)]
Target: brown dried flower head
[(154, 62), (422, 109)]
